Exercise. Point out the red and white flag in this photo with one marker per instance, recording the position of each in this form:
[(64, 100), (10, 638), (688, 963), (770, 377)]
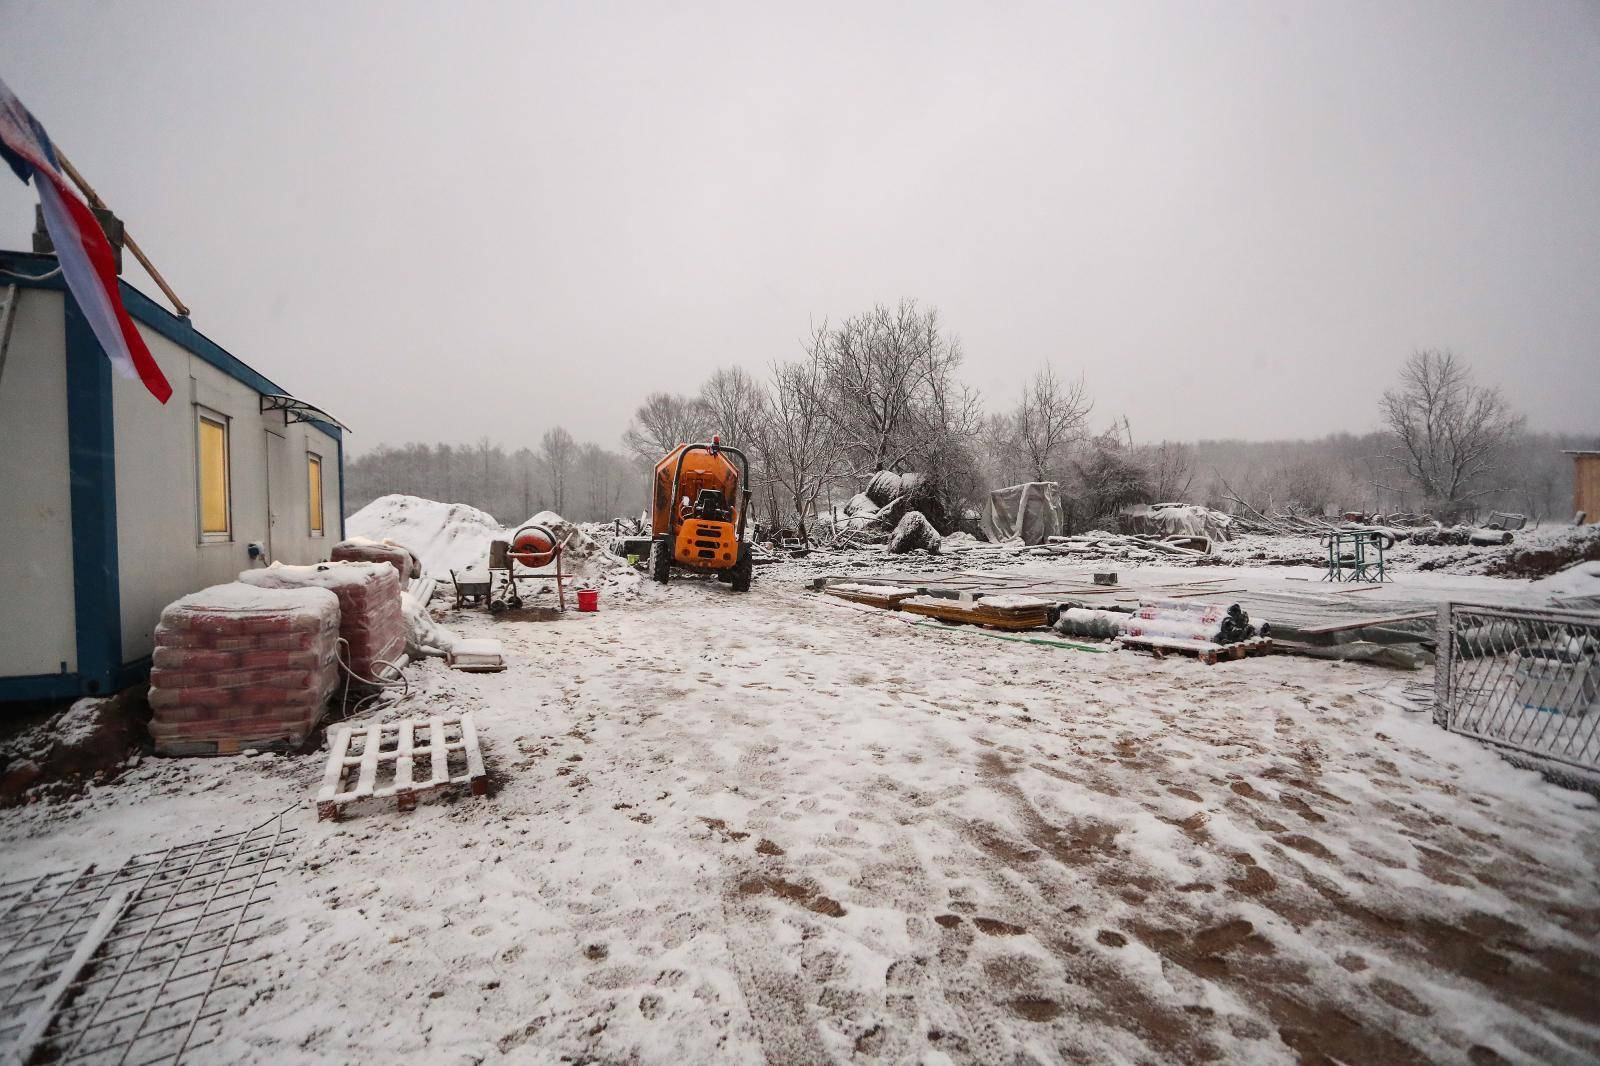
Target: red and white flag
[(87, 262)]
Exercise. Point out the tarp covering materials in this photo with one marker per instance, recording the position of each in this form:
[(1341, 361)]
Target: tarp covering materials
[(1029, 513), (1175, 520)]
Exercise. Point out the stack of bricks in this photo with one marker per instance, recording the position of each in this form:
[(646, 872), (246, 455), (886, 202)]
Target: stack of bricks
[(362, 550), (371, 621), (237, 667)]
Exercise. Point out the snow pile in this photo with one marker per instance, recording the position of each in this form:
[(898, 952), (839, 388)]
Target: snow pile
[(454, 536), (1580, 580), (959, 541), (443, 536)]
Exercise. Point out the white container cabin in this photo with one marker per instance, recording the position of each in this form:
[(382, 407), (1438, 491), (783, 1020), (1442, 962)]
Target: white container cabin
[(112, 505)]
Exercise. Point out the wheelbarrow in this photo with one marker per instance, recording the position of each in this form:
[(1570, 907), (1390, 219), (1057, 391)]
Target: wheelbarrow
[(472, 587)]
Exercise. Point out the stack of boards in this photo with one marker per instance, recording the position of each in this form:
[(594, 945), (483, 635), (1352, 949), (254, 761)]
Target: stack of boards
[(1015, 612), (1007, 612)]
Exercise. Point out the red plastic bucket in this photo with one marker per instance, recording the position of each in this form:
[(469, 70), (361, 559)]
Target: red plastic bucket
[(588, 599)]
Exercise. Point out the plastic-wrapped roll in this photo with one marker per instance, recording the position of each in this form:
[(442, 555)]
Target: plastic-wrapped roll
[(1174, 629), (1087, 622), (1205, 612)]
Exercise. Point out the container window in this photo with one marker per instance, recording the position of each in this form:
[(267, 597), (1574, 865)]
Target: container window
[(314, 486), (215, 503)]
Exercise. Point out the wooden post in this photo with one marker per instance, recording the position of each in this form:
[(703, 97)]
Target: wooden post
[(127, 238)]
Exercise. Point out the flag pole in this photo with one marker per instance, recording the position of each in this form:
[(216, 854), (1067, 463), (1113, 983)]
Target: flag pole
[(127, 238)]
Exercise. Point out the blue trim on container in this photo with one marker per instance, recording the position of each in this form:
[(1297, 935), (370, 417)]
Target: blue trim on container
[(339, 442), (92, 463), (70, 686), (40, 687)]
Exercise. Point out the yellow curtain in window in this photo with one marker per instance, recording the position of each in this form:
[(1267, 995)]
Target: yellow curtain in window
[(213, 477), (314, 479)]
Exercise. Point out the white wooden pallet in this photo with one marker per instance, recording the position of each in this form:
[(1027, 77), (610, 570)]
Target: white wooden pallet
[(389, 752)]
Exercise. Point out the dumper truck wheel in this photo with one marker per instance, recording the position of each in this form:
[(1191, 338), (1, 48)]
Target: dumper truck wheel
[(743, 570), (660, 561)]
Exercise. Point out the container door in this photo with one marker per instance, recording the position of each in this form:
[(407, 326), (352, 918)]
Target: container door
[(280, 495)]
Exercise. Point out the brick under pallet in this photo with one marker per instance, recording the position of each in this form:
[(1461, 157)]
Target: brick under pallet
[(396, 766)]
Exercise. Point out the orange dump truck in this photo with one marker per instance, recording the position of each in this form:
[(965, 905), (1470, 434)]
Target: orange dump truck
[(697, 516)]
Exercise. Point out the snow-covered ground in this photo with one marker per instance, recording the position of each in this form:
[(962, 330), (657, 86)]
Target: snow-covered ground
[(778, 827)]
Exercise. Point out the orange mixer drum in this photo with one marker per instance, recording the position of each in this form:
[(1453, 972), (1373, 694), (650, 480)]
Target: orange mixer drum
[(533, 547)]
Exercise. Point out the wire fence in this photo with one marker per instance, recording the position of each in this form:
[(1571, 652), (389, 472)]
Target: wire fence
[(131, 965), (1524, 679)]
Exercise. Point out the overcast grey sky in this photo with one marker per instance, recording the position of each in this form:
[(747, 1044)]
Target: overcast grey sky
[(445, 220)]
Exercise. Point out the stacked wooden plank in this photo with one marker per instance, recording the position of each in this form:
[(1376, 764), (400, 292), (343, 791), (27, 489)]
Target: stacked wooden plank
[(236, 667), (888, 597), (1009, 612)]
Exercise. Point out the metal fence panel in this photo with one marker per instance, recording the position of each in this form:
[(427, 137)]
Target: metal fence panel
[(1527, 679)]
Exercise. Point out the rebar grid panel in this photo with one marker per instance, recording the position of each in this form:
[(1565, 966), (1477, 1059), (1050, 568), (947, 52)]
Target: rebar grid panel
[(1522, 678), (150, 991)]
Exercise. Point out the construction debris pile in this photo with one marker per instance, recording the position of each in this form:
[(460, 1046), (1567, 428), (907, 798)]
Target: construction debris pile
[(1164, 616), (1098, 544), (1175, 520), (237, 666), (874, 514), (1210, 632)]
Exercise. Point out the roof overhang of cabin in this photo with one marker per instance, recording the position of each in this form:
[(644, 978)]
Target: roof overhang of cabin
[(37, 271)]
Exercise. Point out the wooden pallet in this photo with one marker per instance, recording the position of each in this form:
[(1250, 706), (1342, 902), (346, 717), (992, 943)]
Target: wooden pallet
[(387, 752), (1208, 653), (978, 613)]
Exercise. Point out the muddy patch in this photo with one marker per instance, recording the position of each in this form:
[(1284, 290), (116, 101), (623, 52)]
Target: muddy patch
[(810, 898)]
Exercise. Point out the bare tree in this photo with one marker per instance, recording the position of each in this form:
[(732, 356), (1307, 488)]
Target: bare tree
[(890, 376), (798, 448), (1450, 433), (1050, 417), (557, 450), (1170, 469), (663, 422), (735, 403), (1107, 477)]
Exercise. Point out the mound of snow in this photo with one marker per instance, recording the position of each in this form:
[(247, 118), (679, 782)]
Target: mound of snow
[(1579, 579), (454, 536), (443, 536)]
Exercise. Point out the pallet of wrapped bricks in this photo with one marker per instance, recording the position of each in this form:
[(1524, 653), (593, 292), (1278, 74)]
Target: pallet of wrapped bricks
[(371, 621), (366, 550), (239, 667)]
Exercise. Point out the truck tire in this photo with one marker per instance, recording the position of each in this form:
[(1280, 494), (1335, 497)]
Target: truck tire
[(743, 570), (660, 561)]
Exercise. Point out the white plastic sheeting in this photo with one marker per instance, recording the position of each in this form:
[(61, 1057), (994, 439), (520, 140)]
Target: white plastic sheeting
[(1029, 513), (1175, 520)]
